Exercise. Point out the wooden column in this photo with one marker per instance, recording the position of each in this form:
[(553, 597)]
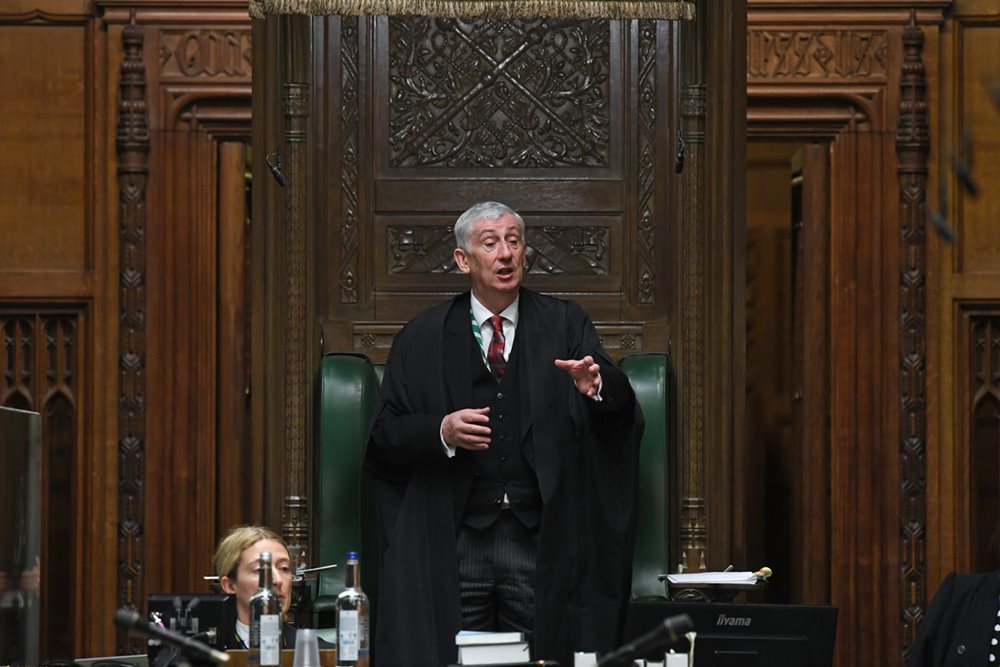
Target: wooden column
[(132, 144), (297, 292), (912, 149)]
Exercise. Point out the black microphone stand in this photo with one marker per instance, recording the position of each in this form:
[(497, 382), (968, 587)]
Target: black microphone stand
[(669, 631)]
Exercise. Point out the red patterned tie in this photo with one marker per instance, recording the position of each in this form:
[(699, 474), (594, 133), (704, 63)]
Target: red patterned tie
[(494, 355)]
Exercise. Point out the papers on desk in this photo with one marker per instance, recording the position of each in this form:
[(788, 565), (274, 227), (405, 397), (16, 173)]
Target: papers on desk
[(722, 578)]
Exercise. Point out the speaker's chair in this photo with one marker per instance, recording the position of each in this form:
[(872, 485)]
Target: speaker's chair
[(348, 397)]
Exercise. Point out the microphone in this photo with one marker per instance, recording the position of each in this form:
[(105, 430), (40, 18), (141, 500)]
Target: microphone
[(679, 160), (276, 168), (134, 624), (671, 630)]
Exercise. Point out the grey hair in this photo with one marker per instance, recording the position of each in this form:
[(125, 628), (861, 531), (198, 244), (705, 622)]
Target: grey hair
[(484, 210)]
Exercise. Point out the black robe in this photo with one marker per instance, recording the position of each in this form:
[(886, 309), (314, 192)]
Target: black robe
[(958, 625), (584, 454)]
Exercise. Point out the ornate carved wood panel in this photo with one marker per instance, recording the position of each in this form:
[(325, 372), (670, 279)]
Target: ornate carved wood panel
[(496, 95), (543, 115)]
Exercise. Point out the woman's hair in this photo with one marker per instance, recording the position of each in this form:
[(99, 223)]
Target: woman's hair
[(237, 540), (484, 210)]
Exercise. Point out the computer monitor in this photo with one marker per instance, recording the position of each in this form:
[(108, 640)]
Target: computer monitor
[(207, 617), (745, 635)]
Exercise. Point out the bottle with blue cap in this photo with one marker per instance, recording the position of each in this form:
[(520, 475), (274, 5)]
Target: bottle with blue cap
[(352, 618)]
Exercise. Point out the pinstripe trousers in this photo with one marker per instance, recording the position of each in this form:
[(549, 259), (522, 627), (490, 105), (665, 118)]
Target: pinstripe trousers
[(496, 575)]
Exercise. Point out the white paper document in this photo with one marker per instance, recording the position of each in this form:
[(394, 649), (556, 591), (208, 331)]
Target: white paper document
[(714, 578)]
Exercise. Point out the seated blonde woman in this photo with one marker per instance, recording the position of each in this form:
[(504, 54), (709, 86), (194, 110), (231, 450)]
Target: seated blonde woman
[(236, 562)]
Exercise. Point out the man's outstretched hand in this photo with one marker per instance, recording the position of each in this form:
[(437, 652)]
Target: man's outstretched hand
[(586, 374)]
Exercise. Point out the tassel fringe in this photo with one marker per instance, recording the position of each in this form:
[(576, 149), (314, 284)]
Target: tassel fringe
[(501, 9)]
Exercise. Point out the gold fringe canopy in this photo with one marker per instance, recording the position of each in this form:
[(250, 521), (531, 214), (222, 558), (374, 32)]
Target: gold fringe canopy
[(504, 9)]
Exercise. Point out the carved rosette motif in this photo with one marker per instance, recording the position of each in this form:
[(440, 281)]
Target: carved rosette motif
[(912, 149), (349, 168), (647, 163), (694, 521), (132, 144), (295, 520), (518, 93), (797, 54), (577, 250)]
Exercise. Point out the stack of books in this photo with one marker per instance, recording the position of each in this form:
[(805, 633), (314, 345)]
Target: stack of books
[(492, 648)]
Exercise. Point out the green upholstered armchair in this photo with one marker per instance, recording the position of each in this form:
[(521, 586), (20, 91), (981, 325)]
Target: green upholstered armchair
[(650, 378), (348, 397)]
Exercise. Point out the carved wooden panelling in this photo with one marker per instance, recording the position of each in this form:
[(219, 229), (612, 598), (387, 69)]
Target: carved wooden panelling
[(40, 354), (984, 438), (578, 250), (349, 175), (373, 338), (792, 54), (44, 113), (973, 138), (581, 250), (646, 165), (491, 94), (205, 53)]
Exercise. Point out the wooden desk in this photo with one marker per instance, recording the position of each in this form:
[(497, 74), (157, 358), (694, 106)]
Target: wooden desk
[(327, 658)]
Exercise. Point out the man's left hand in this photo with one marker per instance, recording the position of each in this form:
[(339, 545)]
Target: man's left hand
[(586, 374)]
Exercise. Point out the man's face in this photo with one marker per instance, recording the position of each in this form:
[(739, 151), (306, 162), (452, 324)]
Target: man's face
[(246, 580), (495, 262)]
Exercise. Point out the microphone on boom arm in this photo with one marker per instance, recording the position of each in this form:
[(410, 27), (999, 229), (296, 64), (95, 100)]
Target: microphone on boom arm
[(194, 649), (669, 631)]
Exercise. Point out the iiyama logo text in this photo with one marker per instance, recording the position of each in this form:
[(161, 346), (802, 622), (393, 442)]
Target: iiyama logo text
[(742, 621)]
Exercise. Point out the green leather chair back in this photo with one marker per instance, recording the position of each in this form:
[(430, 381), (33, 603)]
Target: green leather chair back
[(348, 398), (650, 378)]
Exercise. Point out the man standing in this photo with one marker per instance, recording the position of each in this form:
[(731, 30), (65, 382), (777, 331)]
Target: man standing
[(503, 457)]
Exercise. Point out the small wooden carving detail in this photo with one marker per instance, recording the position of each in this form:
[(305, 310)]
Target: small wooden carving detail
[(17, 368), (840, 54), (205, 53), (574, 250), (488, 94)]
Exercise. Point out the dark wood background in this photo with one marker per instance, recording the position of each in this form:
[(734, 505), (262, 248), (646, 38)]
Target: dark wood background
[(164, 304)]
